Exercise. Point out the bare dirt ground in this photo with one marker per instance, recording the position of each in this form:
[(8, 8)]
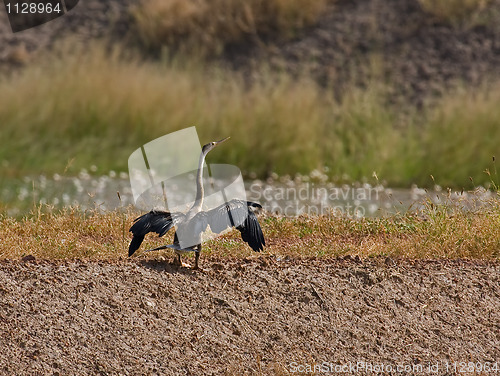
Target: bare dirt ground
[(249, 316)]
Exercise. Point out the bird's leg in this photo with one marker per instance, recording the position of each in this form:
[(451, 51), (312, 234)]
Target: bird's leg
[(197, 256), (178, 262), (177, 259)]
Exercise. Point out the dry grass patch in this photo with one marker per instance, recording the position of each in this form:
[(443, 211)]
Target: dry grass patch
[(69, 233), (206, 26), (436, 232), (453, 11)]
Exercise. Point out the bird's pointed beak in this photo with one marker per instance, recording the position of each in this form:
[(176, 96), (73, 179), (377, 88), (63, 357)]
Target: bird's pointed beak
[(221, 141)]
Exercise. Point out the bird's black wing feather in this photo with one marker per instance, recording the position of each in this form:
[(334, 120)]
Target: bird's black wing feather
[(154, 221), (237, 213), (252, 233)]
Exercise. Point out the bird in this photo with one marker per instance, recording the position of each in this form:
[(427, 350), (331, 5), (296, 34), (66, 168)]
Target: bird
[(233, 213)]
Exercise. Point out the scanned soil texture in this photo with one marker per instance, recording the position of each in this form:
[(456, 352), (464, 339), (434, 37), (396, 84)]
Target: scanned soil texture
[(265, 316)]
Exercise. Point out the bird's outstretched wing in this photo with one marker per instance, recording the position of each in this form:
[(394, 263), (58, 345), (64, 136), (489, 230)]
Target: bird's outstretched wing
[(154, 221), (239, 214)]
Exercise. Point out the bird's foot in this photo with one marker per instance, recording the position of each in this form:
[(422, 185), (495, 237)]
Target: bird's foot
[(182, 264), (197, 268)]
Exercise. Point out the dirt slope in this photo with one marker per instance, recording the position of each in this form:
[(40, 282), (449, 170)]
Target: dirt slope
[(395, 41), (254, 316)]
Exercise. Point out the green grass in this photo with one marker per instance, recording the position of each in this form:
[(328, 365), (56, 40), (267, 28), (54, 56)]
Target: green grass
[(88, 108), (459, 139), (436, 231)]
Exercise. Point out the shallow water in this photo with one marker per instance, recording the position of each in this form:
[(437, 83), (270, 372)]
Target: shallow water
[(282, 196)]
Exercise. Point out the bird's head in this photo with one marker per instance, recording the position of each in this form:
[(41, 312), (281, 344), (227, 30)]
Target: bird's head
[(211, 145)]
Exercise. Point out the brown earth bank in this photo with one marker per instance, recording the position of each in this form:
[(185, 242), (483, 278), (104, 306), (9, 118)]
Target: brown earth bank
[(266, 315), (394, 42)]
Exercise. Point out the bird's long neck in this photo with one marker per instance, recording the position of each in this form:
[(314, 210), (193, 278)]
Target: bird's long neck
[(200, 192)]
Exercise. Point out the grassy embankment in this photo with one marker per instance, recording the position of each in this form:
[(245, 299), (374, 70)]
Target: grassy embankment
[(94, 109), (208, 26)]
